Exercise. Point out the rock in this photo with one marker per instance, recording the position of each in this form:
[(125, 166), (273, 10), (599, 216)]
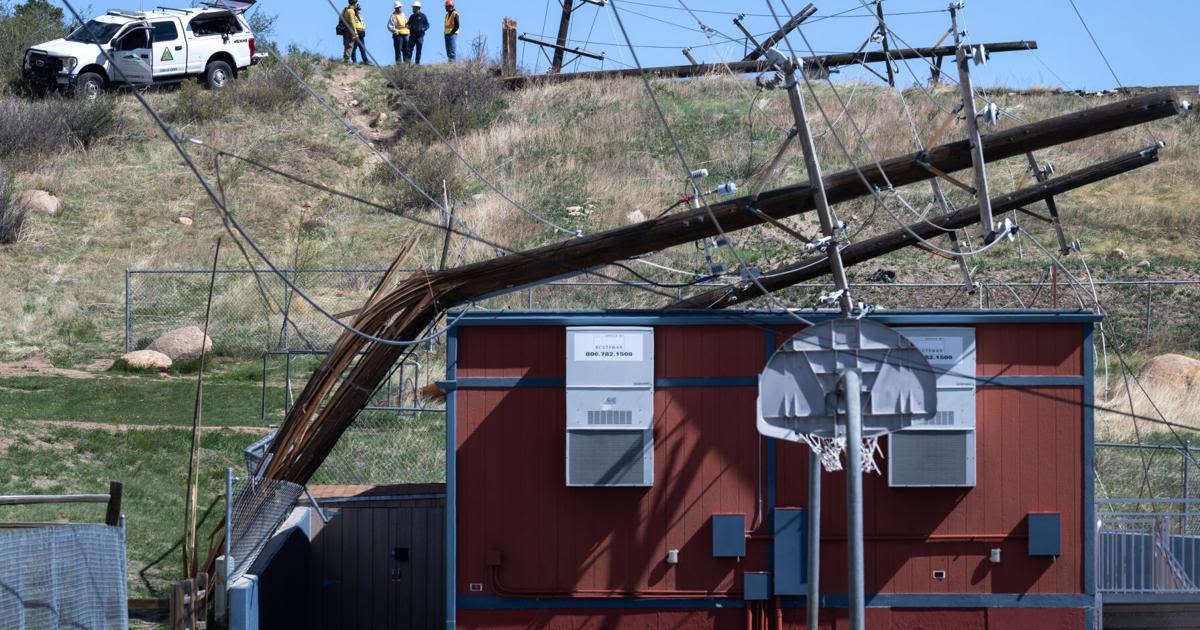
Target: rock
[(1118, 254), (184, 221), (183, 344), (379, 120), (1145, 264), (38, 201), (635, 217), (146, 360), (354, 103), (1173, 371), (478, 196)]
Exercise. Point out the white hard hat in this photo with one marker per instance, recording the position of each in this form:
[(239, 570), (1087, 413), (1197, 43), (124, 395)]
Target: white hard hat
[(416, 4), (399, 5)]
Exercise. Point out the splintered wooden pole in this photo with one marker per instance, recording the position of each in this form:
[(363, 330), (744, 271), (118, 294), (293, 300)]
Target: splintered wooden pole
[(963, 269), (193, 478), (813, 164), (982, 192), (564, 29), (883, 34), (508, 43), (862, 251)]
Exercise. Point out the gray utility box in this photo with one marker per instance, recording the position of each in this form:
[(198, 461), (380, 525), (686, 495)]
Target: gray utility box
[(610, 406), (940, 451)]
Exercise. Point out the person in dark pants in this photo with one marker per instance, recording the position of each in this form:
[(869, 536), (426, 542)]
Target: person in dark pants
[(398, 27), (417, 25), (451, 31)]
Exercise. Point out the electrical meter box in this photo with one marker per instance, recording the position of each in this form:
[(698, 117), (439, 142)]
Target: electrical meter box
[(940, 451), (610, 406)]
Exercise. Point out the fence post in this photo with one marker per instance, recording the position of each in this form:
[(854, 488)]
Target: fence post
[(128, 315), (287, 306), (1187, 486), (1149, 306)]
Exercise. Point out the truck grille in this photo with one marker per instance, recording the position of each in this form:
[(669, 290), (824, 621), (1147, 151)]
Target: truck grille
[(44, 66)]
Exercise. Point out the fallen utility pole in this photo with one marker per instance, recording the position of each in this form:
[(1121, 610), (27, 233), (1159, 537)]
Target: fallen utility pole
[(329, 402), (817, 266), (559, 49), (983, 194), (883, 34), (742, 67), (778, 36), (564, 29)]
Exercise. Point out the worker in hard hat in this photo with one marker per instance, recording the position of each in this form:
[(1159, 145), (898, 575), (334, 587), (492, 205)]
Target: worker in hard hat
[(354, 33), (398, 27), (451, 31), (418, 23)]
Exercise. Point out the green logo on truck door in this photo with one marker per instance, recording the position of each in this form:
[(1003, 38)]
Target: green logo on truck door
[(167, 55)]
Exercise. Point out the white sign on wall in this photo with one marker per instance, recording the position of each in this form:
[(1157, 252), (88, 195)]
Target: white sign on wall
[(608, 346)]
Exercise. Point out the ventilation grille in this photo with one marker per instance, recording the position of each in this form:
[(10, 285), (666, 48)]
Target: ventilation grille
[(942, 419), (932, 458), (609, 458), (609, 417)]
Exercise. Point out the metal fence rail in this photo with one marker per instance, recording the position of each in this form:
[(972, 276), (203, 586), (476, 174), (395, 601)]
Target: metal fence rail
[(254, 311), (1147, 547)]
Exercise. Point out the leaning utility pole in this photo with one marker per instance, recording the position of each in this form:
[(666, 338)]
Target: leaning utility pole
[(883, 33), (564, 29), (982, 192)]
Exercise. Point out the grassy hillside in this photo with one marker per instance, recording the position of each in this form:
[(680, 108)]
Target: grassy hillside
[(587, 156)]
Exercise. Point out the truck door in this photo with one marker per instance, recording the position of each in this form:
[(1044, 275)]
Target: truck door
[(170, 56), (132, 56)]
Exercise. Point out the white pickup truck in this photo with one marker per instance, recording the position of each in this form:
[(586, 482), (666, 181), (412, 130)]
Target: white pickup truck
[(212, 42)]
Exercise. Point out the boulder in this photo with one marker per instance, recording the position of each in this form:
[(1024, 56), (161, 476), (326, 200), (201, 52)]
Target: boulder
[(635, 216), (380, 118), (185, 221), (146, 360), (38, 201), (183, 344), (1173, 371), (1145, 264), (1118, 255)]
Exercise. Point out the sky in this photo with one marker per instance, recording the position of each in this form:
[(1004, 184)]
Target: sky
[(1147, 42)]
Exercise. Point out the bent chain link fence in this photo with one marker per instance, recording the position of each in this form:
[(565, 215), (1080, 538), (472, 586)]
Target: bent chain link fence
[(258, 509), (63, 576)]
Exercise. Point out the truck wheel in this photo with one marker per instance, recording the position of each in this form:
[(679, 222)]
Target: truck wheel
[(89, 86), (217, 75)]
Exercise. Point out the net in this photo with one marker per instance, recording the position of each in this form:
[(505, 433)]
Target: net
[(63, 576), (258, 509), (831, 449)]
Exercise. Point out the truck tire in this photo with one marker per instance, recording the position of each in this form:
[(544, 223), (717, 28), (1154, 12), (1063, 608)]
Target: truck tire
[(217, 75), (89, 86)]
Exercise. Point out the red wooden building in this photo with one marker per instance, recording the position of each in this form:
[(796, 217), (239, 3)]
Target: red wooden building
[(525, 549)]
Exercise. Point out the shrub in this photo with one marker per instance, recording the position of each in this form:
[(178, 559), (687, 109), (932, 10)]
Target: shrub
[(457, 99), (12, 214), (194, 104), (36, 128), (428, 167), (21, 26), (270, 88)]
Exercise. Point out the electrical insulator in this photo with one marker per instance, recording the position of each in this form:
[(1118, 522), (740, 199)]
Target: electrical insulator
[(990, 114), (980, 54), (726, 189), (699, 173)]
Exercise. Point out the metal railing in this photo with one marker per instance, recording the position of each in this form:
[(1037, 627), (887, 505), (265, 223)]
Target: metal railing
[(1147, 547), (254, 311)]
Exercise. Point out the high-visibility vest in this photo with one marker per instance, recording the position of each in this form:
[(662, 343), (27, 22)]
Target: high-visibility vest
[(351, 17), (399, 24), (451, 22)]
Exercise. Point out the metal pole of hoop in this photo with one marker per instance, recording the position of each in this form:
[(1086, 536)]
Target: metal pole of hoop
[(852, 390)]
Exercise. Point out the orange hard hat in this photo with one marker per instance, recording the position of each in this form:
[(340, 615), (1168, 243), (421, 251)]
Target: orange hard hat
[(449, 4)]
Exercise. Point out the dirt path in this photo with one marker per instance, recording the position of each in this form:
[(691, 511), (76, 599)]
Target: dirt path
[(38, 366), (344, 89)]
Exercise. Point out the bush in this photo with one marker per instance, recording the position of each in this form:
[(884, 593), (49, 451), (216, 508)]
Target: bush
[(193, 104), (428, 167), (36, 128), (457, 99), (270, 88), (22, 26), (12, 214)]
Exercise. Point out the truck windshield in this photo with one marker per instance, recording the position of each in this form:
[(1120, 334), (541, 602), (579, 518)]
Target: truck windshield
[(102, 31)]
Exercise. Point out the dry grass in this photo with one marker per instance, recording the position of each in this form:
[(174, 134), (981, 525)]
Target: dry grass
[(1175, 405), (588, 156)]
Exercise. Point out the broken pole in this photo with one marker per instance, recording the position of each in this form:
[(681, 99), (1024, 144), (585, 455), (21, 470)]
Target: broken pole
[(862, 251), (742, 67), (508, 45), (687, 52), (564, 29), (778, 36), (562, 49), (1042, 173), (982, 192)]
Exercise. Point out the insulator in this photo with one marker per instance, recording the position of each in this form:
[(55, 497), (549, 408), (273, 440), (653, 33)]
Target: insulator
[(726, 189), (699, 173)]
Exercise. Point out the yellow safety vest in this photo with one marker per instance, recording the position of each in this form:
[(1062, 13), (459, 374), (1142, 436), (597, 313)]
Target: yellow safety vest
[(451, 22), (353, 19), (400, 24)]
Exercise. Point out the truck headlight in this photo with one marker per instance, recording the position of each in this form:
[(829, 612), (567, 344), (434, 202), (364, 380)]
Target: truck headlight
[(25, 63), (69, 63)]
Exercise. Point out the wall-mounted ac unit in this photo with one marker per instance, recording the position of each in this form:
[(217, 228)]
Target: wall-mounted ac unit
[(610, 406), (940, 451)]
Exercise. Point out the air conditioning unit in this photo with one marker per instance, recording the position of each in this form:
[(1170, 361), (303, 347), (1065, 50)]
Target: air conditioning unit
[(940, 451), (610, 407)]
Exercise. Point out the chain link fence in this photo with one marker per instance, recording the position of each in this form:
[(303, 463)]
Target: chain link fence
[(258, 507), (63, 576), (254, 312)]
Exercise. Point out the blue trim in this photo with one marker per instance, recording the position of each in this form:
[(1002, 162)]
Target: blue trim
[(762, 318), (496, 602), (1031, 381), (1089, 461), (510, 383), (451, 533), (707, 381), (772, 464)]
